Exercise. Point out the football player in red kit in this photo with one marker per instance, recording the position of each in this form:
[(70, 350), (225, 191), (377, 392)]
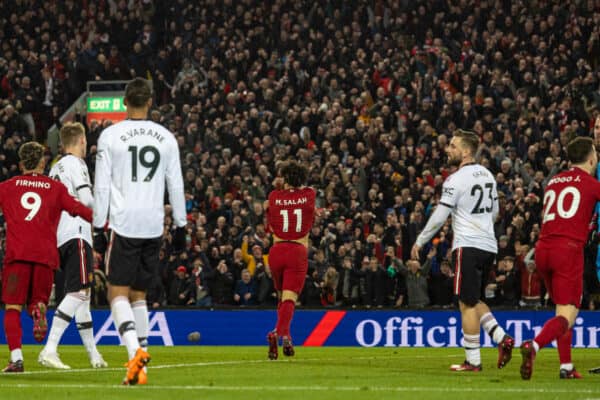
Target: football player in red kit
[(290, 216), (32, 205), (569, 201)]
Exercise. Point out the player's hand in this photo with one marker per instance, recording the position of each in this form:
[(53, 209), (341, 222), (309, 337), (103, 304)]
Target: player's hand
[(178, 240), (414, 253), (100, 241)]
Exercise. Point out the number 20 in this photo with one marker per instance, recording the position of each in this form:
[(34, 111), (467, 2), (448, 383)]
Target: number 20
[(286, 219), (550, 198)]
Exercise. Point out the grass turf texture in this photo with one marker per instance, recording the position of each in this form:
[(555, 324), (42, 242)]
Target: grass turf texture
[(328, 373)]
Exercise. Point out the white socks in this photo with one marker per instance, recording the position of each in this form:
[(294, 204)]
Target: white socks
[(140, 312), (124, 321), (62, 317), (490, 325), (16, 355), (472, 349), (83, 318)]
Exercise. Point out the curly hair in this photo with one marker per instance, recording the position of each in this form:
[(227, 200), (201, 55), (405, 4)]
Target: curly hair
[(30, 154), (294, 173)]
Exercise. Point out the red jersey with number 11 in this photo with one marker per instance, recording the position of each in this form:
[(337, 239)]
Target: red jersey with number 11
[(569, 201), (32, 205), (291, 212)]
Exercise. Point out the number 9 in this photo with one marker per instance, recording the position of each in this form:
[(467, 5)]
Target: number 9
[(34, 206)]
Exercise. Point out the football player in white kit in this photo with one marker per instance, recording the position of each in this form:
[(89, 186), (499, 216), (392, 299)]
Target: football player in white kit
[(470, 196), (135, 158), (74, 239)]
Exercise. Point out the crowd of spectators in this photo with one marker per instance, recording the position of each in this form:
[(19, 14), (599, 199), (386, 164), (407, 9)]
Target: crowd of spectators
[(367, 93)]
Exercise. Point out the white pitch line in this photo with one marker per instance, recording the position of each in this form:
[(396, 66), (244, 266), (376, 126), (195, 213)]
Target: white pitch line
[(217, 363), (228, 388)]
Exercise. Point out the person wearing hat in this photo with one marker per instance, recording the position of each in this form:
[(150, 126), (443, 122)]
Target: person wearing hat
[(181, 289)]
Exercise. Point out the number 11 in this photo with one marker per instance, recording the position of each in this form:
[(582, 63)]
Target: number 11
[(286, 222)]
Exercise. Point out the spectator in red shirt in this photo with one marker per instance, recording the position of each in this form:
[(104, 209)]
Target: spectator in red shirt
[(531, 282)]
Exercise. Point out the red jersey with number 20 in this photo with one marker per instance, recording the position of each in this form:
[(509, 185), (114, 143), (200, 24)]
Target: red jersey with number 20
[(291, 212), (32, 205), (569, 201)]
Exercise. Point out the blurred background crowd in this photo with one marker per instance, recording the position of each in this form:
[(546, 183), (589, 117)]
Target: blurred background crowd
[(366, 93)]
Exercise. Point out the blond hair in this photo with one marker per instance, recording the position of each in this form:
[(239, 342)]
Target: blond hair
[(70, 133)]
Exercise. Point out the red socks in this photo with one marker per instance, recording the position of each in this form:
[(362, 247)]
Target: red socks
[(554, 328), (12, 329), (564, 347), (285, 312)]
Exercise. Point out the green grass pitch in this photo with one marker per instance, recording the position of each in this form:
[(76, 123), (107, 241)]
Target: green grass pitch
[(207, 372)]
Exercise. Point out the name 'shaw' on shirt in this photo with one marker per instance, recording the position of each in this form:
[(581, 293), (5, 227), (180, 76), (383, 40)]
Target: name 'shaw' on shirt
[(477, 174), (141, 132)]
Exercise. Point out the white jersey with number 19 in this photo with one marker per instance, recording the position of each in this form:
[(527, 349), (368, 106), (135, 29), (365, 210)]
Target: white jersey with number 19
[(134, 160)]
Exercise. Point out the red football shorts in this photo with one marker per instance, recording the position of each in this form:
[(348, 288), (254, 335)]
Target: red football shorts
[(26, 283), (288, 262), (561, 265)]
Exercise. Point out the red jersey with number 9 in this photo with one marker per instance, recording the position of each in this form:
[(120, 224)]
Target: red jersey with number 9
[(569, 201), (291, 212), (32, 205)]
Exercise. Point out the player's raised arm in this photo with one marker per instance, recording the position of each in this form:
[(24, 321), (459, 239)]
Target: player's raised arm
[(102, 183)]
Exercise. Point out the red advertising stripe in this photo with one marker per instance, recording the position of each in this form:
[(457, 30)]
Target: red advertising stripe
[(324, 328)]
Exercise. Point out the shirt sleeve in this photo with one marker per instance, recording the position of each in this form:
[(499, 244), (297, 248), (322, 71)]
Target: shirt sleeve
[(175, 187), (450, 192), (102, 182), (82, 185), (436, 221), (495, 203)]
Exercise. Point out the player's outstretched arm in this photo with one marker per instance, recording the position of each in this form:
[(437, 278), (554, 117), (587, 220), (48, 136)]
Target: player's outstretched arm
[(436, 221), (72, 206)]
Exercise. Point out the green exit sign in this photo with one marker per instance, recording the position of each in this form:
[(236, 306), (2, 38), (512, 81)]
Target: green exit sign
[(105, 104)]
